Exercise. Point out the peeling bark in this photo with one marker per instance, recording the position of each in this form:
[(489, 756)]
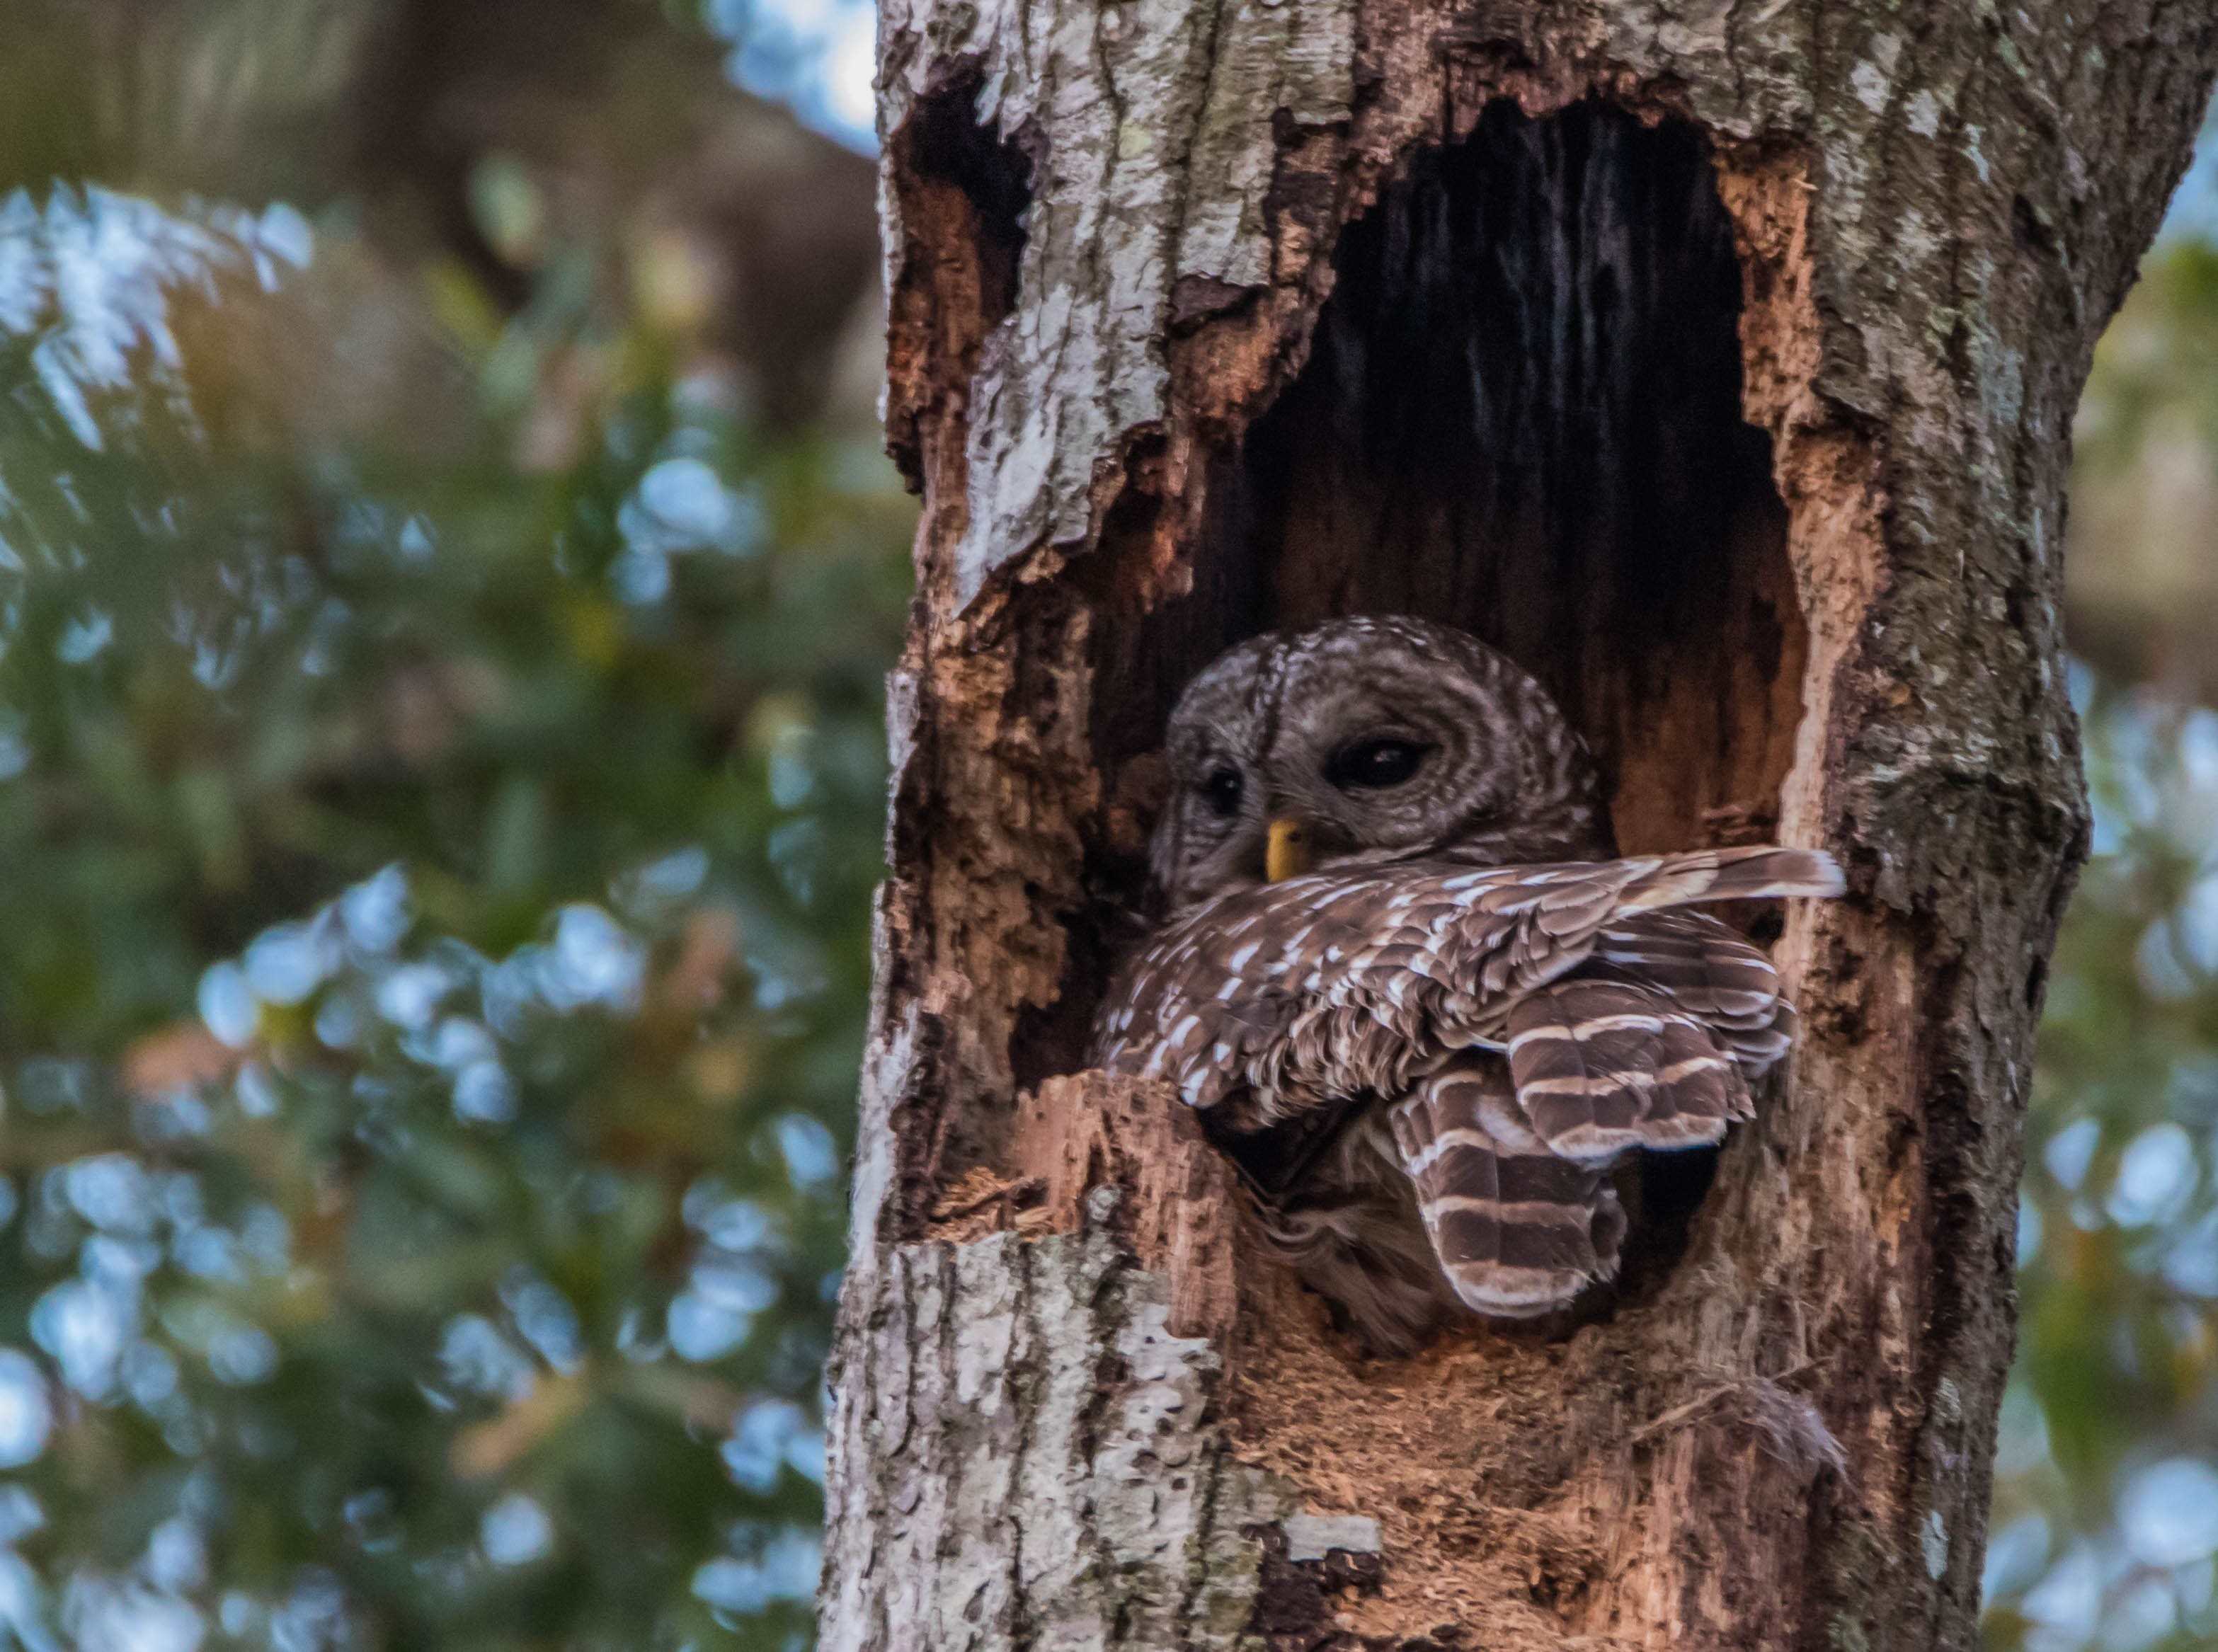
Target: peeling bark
[(1717, 361)]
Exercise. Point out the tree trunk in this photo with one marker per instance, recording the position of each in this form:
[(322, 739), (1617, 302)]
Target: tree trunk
[(1716, 361)]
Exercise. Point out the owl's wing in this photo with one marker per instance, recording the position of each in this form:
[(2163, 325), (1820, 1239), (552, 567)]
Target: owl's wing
[(1602, 1066), (1518, 1229), (1708, 971), (1341, 985), (1651, 1041)]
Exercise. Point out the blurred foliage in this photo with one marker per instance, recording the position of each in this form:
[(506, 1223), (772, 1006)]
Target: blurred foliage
[(2105, 1520), (2157, 364), (441, 775), (2140, 581)]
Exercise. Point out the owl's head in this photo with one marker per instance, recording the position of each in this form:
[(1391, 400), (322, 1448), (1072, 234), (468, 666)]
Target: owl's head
[(1364, 741)]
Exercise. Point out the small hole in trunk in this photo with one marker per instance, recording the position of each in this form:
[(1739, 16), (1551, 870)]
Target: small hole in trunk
[(965, 192)]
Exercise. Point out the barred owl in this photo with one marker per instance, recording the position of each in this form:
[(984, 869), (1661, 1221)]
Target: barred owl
[(1410, 987)]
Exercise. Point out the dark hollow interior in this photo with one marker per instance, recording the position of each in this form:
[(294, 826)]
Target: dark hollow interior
[(1522, 415), (947, 154)]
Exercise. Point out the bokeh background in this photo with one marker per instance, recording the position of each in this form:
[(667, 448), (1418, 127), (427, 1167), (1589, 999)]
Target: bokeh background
[(447, 572)]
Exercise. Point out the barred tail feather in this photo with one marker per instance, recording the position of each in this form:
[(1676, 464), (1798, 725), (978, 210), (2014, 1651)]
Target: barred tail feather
[(1707, 971), (1604, 1066), (1519, 1230)]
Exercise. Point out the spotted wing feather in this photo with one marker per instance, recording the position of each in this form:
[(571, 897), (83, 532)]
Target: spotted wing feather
[(1287, 1011), (1651, 1041), (1329, 988)]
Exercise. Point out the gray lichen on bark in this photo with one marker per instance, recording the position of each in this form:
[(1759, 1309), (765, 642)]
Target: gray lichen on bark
[(1019, 1492), (1152, 120)]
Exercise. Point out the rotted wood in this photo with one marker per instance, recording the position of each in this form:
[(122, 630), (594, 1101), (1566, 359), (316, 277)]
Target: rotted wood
[(1759, 329)]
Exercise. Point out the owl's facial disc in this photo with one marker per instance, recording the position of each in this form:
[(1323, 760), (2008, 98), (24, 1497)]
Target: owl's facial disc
[(1381, 761), (1369, 741)]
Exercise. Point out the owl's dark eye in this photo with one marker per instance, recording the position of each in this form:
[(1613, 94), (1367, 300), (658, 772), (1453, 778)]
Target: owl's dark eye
[(1374, 763), (1223, 789)]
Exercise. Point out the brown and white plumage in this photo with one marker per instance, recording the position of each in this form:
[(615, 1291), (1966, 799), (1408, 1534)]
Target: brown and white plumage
[(1431, 1048)]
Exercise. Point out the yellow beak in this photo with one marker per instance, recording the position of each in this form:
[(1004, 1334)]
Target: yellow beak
[(1285, 850)]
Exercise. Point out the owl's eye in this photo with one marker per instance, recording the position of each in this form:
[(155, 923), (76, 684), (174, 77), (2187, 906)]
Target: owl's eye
[(1375, 763), (1223, 789)]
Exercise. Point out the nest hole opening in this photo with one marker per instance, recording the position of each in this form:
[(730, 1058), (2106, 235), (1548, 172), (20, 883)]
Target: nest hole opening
[(1520, 414)]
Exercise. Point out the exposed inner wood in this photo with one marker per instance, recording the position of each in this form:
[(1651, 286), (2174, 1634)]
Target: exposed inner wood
[(966, 195)]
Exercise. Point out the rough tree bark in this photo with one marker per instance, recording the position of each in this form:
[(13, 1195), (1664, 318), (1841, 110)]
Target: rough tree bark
[(1718, 361)]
